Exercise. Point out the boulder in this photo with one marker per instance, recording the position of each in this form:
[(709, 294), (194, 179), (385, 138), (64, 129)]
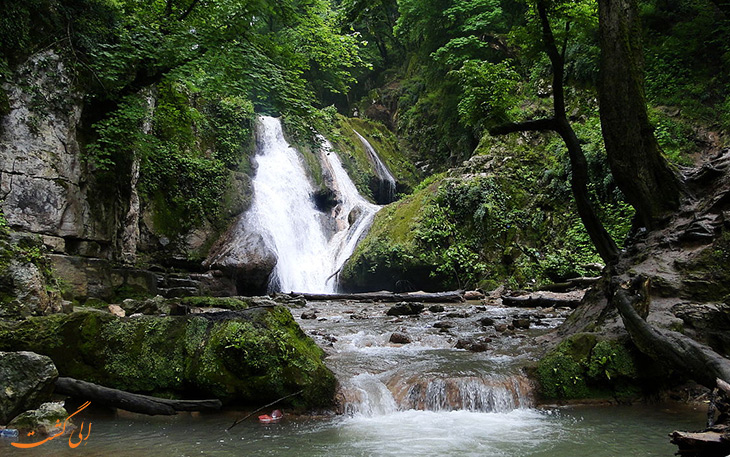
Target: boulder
[(44, 421), (27, 381), (399, 338), (472, 345), (486, 321), (309, 314), (436, 309), (405, 309), (242, 253), (521, 322)]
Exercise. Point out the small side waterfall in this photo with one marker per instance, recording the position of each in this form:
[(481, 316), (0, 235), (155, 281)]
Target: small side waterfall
[(386, 189), (283, 212)]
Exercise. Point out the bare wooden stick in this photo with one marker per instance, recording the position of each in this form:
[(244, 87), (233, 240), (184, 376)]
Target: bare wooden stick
[(265, 406)]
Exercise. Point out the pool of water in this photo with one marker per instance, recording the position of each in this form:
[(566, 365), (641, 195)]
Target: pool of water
[(565, 432)]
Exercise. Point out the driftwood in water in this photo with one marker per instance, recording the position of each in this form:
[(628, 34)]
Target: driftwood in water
[(673, 349), (128, 401), (715, 439), (544, 300), (571, 284), (385, 296)]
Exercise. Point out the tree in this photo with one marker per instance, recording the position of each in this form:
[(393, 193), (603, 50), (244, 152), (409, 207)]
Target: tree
[(559, 124), (639, 168)]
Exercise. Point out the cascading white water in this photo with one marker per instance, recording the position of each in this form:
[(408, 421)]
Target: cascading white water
[(387, 181), (284, 213)]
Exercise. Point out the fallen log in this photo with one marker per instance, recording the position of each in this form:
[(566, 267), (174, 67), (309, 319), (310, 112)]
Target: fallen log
[(571, 284), (701, 444), (543, 300), (456, 296), (127, 401)]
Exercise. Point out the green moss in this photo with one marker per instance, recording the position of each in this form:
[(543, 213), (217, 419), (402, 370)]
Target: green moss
[(252, 357), (582, 367), (232, 303)]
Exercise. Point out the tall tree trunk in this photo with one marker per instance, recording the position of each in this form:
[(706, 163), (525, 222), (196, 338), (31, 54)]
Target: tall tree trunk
[(649, 183)]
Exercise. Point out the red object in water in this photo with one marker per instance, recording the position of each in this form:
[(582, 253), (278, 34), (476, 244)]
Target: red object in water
[(275, 416)]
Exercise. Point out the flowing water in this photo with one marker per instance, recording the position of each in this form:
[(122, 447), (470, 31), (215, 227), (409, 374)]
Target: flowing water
[(310, 245), (386, 191), (424, 398)]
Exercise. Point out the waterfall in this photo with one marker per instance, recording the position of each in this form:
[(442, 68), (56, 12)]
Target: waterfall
[(367, 394), (386, 188), (283, 212)]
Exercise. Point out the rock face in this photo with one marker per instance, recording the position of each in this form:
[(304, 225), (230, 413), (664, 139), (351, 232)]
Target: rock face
[(250, 356), (27, 381), (42, 182)]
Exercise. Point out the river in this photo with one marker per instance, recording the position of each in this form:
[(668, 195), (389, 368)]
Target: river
[(425, 398)]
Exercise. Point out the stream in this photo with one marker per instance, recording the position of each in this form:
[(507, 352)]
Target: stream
[(422, 398)]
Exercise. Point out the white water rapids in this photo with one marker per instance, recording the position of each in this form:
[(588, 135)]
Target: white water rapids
[(283, 211)]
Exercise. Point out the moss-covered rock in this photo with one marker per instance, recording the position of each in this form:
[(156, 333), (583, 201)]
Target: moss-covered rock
[(249, 356), (505, 215), (583, 367)]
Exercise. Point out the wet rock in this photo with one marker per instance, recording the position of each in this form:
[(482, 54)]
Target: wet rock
[(457, 315), (399, 338), (474, 295), (473, 345), (521, 322), (436, 309), (405, 309), (309, 314), (44, 421), (360, 315), (501, 328), (486, 321), (27, 381)]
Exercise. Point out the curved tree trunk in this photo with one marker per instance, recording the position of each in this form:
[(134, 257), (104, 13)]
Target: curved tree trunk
[(642, 173), (605, 245)]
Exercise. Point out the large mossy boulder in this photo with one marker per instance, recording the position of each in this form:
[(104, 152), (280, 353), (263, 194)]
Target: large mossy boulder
[(582, 367), (250, 356), (26, 381)]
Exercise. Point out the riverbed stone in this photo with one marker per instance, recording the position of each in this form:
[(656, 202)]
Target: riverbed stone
[(523, 323), (309, 314), (45, 420), (405, 309), (436, 309), (400, 338), (26, 381), (486, 321)]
